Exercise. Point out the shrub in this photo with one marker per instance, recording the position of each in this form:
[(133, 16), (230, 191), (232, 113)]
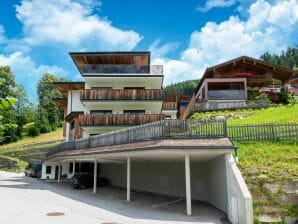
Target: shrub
[(45, 129), (33, 131)]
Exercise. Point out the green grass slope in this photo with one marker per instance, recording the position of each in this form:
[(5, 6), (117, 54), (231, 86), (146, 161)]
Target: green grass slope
[(279, 114), (29, 145)]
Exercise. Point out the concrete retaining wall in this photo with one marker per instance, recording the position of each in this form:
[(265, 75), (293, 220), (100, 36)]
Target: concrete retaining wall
[(217, 183), (239, 198), (8, 163)]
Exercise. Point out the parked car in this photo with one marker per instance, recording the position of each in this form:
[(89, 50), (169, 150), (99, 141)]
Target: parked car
[(85, 180), (33, 169)]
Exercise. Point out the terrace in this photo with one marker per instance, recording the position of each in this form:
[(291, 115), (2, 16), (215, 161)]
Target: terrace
[(159, 130)]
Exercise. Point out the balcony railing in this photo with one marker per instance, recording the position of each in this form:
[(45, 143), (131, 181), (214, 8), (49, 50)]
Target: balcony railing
[(88, 120), (169, 106), (123, 69), (209, 106), (226, 94), (122, 94), (163, 129)]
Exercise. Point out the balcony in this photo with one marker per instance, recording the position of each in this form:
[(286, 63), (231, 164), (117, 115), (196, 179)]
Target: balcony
[(169, 106), (232, 105), (226, 95), (88, 120), (122, 94), (123, 69)]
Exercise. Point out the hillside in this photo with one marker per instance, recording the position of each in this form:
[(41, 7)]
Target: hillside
[(279, 114), (28, 145), (269, 168), (186, 87)]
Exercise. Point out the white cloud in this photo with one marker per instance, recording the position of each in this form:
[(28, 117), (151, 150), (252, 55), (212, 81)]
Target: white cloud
[(158, 51), (269, 27), (26, 71), (210, 4), (73, 24), (3, 39)]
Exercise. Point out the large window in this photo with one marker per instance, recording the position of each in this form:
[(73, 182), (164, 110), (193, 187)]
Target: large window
[(100, 112), (134, 111), (48, 169)]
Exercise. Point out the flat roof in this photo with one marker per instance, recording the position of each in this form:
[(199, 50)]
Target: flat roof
[(215, 143), (110, 58), (63, 87)]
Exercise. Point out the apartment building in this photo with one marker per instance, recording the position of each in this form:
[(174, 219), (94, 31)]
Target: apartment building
[(120, 89)]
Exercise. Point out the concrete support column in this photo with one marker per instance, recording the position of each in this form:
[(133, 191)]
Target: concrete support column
[(73, 166), (187, 184), (95, 177), (59, 172), (128, 179)]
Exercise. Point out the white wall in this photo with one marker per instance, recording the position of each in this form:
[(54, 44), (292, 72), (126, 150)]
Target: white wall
[(43, 171), (64, 171), (159, 177), (240, 208), (74, 101), (121, 82), (217, 183), (172, 113)]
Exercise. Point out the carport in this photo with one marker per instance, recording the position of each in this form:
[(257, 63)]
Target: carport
[(200, 170)]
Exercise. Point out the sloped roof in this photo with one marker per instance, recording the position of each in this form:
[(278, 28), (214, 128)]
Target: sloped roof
[(279, 72)]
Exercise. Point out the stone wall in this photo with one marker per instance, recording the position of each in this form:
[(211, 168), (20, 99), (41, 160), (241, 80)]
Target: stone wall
[(8, 163)]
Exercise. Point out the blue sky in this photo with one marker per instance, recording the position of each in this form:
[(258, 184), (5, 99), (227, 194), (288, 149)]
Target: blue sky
[(184, 36)]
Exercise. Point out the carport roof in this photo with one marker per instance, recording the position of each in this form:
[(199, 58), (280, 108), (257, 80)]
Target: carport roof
[(218, 143)]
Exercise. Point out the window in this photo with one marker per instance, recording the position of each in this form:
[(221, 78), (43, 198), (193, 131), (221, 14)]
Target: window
[(101, 87), (93, 135), (133, 87), (134, 111), (70, 167), (168, 117), (72, 125), (100, 112), (48, 169)]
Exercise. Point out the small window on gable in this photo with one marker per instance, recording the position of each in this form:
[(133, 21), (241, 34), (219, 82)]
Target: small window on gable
[(48, 169), (72, 125)]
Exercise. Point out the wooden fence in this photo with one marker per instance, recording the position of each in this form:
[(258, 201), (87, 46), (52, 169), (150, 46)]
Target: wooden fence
[(183, 129), (260, 132), (163, 129)]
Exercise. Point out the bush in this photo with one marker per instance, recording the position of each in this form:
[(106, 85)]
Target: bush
[(33, 131), (45, 129)]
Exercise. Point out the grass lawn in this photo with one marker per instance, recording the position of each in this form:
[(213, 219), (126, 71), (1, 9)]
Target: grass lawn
[(279, 114), (272, 163), (38, 140), (28, 145)]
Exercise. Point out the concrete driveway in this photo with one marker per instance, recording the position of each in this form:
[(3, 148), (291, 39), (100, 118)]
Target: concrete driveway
[(26, 200)]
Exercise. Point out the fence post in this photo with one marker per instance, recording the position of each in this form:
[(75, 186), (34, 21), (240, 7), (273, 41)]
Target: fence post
[(225, 128)]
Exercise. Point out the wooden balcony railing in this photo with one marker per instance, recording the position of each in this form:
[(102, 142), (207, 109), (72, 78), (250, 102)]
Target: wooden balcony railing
[(118, 119), (169, 106), (122, 94)]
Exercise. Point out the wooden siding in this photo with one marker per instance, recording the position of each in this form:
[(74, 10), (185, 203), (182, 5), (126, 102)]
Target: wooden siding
[(118, 119), (170, 106), (122, 94)]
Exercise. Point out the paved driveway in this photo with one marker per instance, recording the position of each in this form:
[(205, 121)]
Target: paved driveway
[(25, 200)]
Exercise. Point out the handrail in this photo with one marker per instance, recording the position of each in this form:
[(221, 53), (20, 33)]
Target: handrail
[(122, 94), (163, 129)]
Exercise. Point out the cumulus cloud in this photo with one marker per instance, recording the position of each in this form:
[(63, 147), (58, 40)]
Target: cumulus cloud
[(158, 50), (71, 23), (269, 27), (27, 72), (215, 4)]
